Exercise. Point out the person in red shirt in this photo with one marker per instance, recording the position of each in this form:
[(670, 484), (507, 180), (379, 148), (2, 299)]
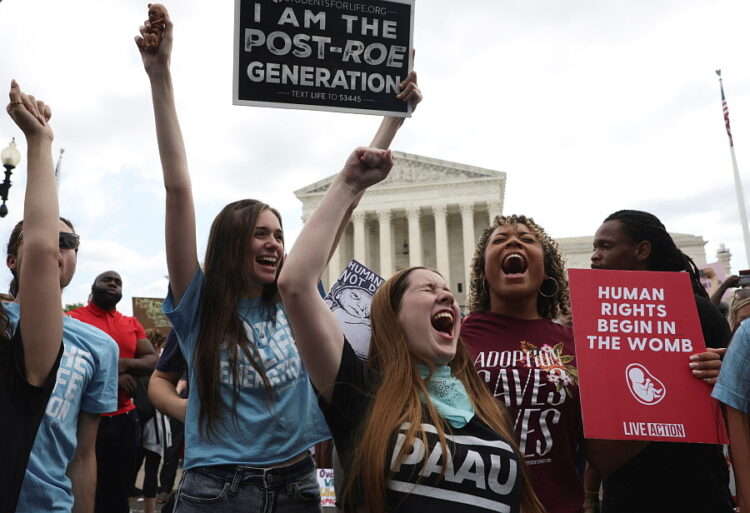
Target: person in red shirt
[(119, 432)]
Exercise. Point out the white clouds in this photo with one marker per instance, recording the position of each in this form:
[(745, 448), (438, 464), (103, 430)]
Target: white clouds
[(142, 272)]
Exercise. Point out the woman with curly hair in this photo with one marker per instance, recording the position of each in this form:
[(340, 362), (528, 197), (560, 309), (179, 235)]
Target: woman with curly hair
[(519, 289)]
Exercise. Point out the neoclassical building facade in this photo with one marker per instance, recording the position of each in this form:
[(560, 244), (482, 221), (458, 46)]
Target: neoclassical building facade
[(431, 212)]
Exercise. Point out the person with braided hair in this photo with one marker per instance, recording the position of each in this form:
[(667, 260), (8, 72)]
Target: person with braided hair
[(664, 476)]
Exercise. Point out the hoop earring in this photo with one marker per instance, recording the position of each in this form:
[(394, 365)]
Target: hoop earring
[(557, 288)]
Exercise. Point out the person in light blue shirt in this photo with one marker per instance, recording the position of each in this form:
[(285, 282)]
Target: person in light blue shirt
[(733, 389), (86, 386), (260, 431), (252, 414), (60, 474), (29, 363)]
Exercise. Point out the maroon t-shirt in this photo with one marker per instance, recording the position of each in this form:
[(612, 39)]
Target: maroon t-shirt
[(529, 366)]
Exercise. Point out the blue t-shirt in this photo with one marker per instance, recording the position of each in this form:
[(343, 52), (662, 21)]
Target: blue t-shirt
[(86, 380), (733, 386), (262, 432)]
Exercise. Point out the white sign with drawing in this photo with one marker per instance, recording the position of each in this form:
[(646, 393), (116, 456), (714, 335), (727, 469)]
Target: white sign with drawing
[(350, 299)]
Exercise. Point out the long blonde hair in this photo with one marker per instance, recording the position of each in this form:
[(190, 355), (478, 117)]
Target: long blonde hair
[(397, 399)]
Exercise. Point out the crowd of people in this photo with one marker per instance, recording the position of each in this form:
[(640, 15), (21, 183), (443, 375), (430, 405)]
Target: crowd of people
[(258, 370)]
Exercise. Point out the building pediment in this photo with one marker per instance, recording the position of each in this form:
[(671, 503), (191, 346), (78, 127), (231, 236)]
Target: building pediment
[(414, 171)]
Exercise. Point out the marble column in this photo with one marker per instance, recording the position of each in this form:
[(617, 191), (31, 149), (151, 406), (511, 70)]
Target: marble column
[(494, 208), (467, 223), (441, 241), (415, 236), (386, 243), (335, 266), (358, 220)]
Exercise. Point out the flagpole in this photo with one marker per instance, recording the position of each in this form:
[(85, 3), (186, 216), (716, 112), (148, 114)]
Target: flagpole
[(57, 167), (737, 181)]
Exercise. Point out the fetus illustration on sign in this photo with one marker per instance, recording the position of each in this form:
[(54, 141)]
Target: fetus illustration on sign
[(645, 387), (351, 307)]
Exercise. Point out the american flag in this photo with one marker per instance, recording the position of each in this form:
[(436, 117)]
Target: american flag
[(725, 108)]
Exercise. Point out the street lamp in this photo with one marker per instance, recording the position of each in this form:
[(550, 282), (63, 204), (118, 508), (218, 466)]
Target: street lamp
[(10, 157)]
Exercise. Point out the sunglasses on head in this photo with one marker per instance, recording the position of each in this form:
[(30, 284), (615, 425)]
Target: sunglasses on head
[(742, 293), (67, 240)]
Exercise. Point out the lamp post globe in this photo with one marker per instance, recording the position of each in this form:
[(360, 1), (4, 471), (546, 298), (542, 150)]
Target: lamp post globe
[(10, 157)]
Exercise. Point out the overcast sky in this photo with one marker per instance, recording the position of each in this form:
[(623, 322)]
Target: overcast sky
[(588, 106)]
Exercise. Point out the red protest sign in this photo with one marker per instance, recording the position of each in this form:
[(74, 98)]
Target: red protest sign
[(634, 334)]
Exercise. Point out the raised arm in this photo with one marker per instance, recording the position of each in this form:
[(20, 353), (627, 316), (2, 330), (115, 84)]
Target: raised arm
[(182, 255), (389, 126), (316, 331), (39, 292), (411, 94)]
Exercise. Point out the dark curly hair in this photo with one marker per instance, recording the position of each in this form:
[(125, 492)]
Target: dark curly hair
[(552, 308)]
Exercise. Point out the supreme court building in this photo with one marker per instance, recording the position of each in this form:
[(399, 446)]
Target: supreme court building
[(431, 212)]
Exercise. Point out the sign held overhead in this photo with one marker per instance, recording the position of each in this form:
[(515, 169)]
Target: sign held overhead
[(335, 55)]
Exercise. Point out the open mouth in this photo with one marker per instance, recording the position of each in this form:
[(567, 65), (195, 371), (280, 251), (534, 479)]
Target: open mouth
[(443, 322), (514, 264), (267, 260)]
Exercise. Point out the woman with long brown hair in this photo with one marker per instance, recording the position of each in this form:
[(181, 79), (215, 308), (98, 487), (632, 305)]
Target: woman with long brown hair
[(415, 427), (252, 414)]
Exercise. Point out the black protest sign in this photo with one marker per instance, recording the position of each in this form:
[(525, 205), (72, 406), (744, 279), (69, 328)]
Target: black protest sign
[(336, 55)]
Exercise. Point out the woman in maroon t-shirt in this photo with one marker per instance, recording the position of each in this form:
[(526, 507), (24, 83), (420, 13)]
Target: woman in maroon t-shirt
[(518, 289)]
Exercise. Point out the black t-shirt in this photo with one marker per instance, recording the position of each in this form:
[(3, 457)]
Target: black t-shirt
[(669, 477), (171, 359), (483, 474), (22, 406)]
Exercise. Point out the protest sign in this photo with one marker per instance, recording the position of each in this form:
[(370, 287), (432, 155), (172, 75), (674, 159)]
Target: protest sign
[(349, 299), (327, 492), (336, 55), (148, 312), (634, 334), (712, 276)]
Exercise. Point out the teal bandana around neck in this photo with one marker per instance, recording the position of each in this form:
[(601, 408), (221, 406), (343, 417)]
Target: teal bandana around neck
[(448, 395)]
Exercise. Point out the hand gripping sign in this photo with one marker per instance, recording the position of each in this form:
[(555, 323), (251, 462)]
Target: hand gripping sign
[(634, 334), (337, 55)]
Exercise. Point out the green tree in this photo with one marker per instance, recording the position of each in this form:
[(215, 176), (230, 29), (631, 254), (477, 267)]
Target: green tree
[(72, 306)]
